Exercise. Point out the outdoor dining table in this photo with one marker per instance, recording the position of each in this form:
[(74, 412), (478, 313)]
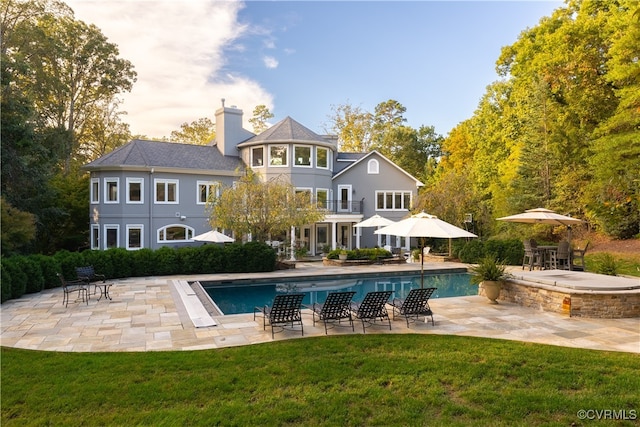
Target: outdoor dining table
[(104, 289), (547, 253)]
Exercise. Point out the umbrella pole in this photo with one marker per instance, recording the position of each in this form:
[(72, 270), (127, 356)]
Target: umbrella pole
[(421, 263)]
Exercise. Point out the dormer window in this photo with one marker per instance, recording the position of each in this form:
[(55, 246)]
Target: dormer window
[(373, 167)]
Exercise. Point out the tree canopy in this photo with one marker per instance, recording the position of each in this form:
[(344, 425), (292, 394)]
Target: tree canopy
[(261, 209)]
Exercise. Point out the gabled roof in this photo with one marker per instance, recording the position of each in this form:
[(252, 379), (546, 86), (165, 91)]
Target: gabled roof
[(286, 130), (344, 160), (141, 153), (366, 156)]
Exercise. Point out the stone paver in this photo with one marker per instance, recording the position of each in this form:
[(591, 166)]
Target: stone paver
[(145, 315)]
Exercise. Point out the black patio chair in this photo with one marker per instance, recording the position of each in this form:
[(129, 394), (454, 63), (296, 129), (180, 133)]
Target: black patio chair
[(285, 310), (89, 276), (69, 287), (415, 305), (577, 258), (335, 309), (373, 308)]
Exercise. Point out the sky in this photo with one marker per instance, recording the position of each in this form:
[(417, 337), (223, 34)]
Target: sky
[(302, 59)]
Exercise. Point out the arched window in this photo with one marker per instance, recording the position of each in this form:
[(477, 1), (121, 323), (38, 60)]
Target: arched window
[(373, 167), (175, 233)]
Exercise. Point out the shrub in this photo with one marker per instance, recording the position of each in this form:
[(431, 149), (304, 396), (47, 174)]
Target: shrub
[(35, 279), (142, 262), (49, 267), (510, 251), (472, 252), (13, 266), (213, 258), (605, 263), (68, 262), (165, 261), (101, 262), (5, 281), (120, 261), (189, 259)]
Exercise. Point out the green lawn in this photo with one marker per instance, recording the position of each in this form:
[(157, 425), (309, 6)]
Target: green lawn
[(357, 380)]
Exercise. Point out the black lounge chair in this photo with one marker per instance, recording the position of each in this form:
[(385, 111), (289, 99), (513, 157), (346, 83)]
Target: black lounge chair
[(284, 311), (416, 304), (69, 287), (89, 275), (336, 308), (373, 308)]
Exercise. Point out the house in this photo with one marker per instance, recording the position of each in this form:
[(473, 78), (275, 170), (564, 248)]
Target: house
[(148, 194)]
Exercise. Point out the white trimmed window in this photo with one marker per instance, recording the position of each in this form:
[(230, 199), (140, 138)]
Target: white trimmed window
[(134, 237), (175, 233), (393, 200), (166, 191), (373, 167), (278, 155), (308, 191), (322, 198), (95, 236), (111, 190), (135, 190), (95, 190), (302, 156), (257, 157), (111, 233), (205, 190), (322, 158)]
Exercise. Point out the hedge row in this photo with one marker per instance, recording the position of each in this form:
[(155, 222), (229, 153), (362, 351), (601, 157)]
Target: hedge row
[(29, 274), (371, 254), (510, 251)]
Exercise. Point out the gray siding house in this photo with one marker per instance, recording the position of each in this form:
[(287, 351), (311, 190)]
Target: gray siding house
[(149, 194)]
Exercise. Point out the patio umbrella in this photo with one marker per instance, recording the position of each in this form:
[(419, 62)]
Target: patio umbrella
[(542, 216), (423, 225), (213, 236), (374, 221)]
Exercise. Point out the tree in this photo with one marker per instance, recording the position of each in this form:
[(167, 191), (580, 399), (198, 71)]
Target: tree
[(18, 228), (199, 132), (261, 116), (353, 126), (105, 131), (262, 208)]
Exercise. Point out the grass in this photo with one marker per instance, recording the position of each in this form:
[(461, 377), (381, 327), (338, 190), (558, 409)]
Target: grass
[(618, 263), (354, 380)]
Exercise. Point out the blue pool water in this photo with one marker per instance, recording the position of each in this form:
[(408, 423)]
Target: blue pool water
[(242, 296)]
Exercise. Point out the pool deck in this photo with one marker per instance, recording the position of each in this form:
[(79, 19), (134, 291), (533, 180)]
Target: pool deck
[(147, 314)]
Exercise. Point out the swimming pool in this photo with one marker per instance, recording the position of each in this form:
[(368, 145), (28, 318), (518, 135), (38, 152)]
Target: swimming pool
[(242, 296)]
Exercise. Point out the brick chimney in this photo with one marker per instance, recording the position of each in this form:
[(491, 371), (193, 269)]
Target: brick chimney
[(229, 130)]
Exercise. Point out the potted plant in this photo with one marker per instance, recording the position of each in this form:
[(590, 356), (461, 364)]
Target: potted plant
[(342, 255), (489, 273)]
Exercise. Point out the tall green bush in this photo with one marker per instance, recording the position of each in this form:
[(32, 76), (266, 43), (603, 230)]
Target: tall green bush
[(5, 281), (18, 282), (35, 279), (472, 251), (143, 261), (165, 261), (120, 263), (49, 266)]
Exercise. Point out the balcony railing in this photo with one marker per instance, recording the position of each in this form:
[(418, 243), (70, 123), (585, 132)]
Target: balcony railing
[(342, 206)]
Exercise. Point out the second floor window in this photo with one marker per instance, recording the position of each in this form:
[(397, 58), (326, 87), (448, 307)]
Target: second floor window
[(207, 189), (95, 190), (166, 191), (257, 157), (393, 200), (278, 155), (111, 190), (134, 190), (322, 158), (302, 156)]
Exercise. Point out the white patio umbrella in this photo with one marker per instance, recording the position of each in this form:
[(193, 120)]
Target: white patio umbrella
[(374, 221), (213, 236), (423, 225), (542, 216)]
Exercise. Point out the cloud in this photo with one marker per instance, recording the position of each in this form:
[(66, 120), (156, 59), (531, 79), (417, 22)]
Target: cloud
[(270, 62), (177, 50)]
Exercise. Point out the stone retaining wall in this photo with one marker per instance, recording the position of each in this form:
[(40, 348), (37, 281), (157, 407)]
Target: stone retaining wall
[(575, 303), (354, 262)]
